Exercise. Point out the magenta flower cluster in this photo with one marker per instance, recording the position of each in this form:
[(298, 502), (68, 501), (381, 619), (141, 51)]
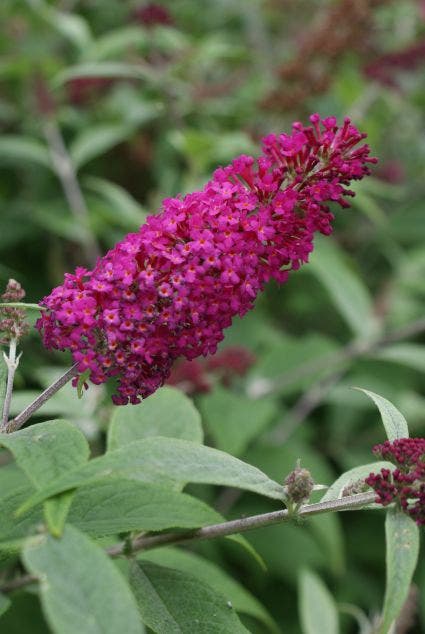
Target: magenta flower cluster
[(405, 484), (170, 289)]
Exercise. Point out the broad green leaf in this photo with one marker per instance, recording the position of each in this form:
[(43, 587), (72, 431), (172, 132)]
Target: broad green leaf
[(214, 576), (175, 602), (111, 70), (117, 506), (293, 363), (348, 292), (45, 452), (353, 476), (126, 208), (394, 422), (12, 528), (96, 140), (5, 603), (19, 149), (48, 450), (170, 461), (409, 354), (12, 479), (71, 26), (318, 610), (81, 589), (234, 419), (168, 413), (402, 549), (115, 42)]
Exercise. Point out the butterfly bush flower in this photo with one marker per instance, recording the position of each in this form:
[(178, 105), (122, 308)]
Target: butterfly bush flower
[(171, 289), (405, 484)]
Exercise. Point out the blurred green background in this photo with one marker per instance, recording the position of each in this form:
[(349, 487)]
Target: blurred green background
[(106, 108)]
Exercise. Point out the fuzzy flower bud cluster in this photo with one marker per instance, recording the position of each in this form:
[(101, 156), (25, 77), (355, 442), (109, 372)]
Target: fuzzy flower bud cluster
[(170, 290), (299, 485), (406, 483), (12, 319)]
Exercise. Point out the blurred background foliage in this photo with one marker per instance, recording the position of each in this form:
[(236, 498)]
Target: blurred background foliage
[(106, 108)]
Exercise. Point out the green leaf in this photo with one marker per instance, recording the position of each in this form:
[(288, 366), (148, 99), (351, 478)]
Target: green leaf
[(96, 140), (81, 589), (402, 544), (115, 42), (12, 528), (234, 419), (352, 477), (45, 452), (410, 354), (346, 289), (5, 603), (48, 450), (71, 26), (394, 422), (175, 602), (318, 610), (109, 70), (117, 506), (20, 149), (56, 511), (214, 576), (168, 413), (293, 364), (170, 461), (126, 208)]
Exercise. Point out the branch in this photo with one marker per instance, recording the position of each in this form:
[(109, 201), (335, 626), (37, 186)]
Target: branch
[(16, 423), (65, 171), (241, 525), (232, 527), (12, 362)]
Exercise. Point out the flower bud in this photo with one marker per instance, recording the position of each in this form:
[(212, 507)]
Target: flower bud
[(299, 485)]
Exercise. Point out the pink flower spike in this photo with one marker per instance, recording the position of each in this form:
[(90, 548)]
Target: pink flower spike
[(171, 289)]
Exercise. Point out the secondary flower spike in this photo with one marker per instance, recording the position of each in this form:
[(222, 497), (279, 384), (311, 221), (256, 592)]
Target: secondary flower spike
[(170, 289), (405, 484)]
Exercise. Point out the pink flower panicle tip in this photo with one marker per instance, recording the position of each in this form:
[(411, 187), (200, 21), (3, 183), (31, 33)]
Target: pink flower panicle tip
[(404, 485), (169, 290)]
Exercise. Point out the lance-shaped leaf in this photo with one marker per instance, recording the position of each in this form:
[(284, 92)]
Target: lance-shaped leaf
[(116, 506), (214, 576), (318, 609), (394, 422), (168, 413), (81, 589), (347, 290), (234, 419), (173, 602), (402, 545), (170, 461), (411, 355)]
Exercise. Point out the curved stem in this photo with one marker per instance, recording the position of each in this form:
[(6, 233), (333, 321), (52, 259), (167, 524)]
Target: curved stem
[(12, 362), (16, 423), (242, 525)]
